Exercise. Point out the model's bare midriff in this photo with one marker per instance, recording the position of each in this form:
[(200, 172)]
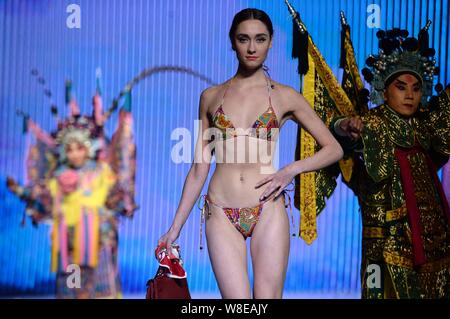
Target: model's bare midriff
[(241, 162)]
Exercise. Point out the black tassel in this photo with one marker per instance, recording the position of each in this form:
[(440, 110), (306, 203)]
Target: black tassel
[(342, 61), (300, 48), (303, 66), (424, 38), (295, 40)]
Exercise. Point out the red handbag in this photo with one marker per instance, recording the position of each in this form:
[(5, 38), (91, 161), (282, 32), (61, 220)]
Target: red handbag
[(163, 287), (170, 279)]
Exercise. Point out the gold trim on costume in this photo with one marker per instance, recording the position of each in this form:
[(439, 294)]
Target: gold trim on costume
[(373, 232), (405, 262), (396, 213), (397, 260), (308, 209)]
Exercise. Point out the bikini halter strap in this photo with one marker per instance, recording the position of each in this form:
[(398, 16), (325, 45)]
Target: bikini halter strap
[(268, 82)]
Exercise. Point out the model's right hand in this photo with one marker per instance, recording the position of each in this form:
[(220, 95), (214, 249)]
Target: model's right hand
[(169, 237), (352, 126)]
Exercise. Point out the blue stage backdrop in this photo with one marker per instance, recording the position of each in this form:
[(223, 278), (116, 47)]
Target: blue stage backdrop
[(124, 36)]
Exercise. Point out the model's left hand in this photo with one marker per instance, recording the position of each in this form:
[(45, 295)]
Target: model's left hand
[(277, 182)]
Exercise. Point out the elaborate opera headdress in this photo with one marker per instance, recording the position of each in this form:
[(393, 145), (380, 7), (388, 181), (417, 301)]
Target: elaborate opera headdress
[(399, 54)]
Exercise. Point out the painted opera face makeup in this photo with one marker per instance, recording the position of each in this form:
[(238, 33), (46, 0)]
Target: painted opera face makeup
[(403, 95), (77, 154), (252, 42)]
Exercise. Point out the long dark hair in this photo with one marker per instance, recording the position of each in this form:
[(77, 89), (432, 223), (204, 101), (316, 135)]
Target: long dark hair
[(249, 14)]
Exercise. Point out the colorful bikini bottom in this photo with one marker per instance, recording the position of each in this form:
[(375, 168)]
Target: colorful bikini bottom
[(244, 219)]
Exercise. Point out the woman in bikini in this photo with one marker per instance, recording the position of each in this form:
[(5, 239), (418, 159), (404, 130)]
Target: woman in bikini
[(240, 121)]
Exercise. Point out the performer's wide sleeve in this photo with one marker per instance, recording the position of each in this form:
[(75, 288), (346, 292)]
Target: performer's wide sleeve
[(122, 154), (38, 201), (439, 123)]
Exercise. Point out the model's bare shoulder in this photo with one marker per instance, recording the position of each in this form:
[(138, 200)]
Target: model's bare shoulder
[(288, 96), (283, 90), (211, 96), (290, 92)]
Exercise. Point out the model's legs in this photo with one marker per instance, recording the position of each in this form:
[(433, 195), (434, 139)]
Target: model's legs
[(228, 254), (270, 250)]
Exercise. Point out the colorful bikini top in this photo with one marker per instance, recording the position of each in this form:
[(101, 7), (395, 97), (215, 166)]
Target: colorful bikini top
[(261, 128)]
